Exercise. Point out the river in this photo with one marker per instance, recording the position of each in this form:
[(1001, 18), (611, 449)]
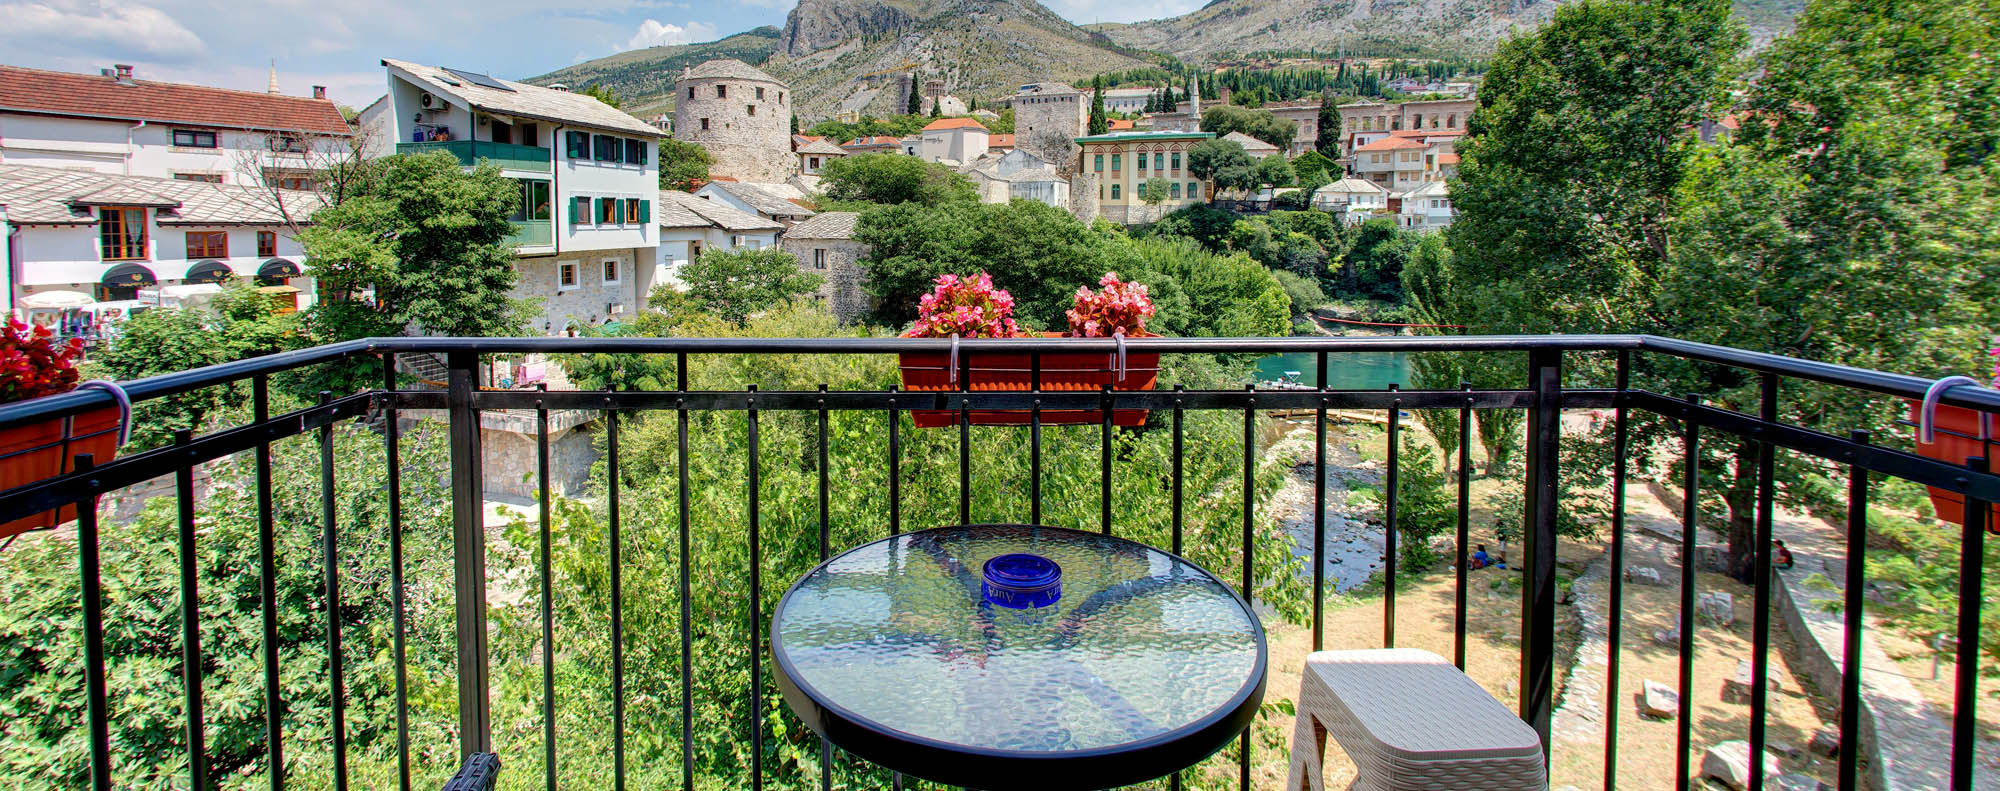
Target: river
[(1345, 371)]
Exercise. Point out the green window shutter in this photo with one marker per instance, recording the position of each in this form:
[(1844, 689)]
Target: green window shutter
[(618, 207), (615, 147), (645, 211), (579, 145), (579, 209), (1100, 163), (603, 209)]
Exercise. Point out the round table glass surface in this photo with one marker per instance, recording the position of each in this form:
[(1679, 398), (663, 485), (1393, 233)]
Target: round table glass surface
[(895, 637)]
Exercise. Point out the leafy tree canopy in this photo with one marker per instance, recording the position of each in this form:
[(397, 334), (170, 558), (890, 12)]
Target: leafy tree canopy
[(1260, 124), (683, 165), (736, 284), (894, 178)]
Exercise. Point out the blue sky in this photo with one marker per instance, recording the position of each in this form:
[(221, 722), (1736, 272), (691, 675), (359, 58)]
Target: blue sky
[(339, 43)]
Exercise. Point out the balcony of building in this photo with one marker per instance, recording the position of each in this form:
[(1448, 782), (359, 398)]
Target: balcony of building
[(506, 156), (426, 631)]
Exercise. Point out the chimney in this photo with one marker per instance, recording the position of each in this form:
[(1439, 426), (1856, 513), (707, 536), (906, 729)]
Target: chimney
[(319, 92), (123, 73)]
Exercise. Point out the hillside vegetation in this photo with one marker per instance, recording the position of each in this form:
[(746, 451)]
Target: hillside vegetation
[(643, 79)]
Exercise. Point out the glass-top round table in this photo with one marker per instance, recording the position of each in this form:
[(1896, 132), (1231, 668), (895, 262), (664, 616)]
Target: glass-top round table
[(895, 652)]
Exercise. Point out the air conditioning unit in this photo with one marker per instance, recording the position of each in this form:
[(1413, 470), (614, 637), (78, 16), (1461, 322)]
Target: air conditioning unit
[(614, 308), (430, 102)]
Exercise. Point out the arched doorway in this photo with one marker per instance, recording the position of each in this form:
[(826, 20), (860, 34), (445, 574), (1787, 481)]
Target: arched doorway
[(210, 271), (124, 282)]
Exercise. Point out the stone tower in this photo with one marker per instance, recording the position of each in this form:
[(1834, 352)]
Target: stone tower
[(740, 115)]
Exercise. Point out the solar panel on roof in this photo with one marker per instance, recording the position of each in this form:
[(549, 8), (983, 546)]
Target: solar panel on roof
[(479, 79)]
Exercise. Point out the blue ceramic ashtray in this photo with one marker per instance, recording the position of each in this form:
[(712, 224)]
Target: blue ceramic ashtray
[(1021, 581)]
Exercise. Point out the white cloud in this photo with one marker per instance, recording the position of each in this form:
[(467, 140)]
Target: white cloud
[(654, 33), (119, 31)]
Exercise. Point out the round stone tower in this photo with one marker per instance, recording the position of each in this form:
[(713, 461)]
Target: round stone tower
[(741, 115)]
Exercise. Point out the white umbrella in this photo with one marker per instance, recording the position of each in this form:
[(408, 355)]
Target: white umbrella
[(57, 300)]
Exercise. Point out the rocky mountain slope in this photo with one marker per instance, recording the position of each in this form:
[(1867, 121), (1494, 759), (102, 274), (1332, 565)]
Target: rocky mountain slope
[(643, 79), (1226, 28)]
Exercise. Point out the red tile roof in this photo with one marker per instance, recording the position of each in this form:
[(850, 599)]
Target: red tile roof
[(1120, 123), (954, 123), (98, 96), (1447, 159), (874, 140), (1000, 141)]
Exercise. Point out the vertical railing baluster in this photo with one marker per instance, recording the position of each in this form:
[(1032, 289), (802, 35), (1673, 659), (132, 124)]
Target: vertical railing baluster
[(1615, 612), (545, 491), (330, 548), (686, 564), (267, 576), (1538, 544), (1104, 463), (752, 466), (1690, 525), (191, 672), (1249, 548), (825, 539), (468, 551), (895, 465), (1035, 441), (1760, 569), (1971, 576), (1319, 510), (1464, 526), (1390, 500), (1853, 601), (617, 560), (90, 570)]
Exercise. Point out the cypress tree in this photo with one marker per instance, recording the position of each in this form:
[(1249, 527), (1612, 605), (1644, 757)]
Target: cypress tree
[(916, 103), (1098, 125)]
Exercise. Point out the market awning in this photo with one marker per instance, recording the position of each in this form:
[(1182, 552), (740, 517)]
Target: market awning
[(209, 271), (129, 275), (278, 268), (57, 300)]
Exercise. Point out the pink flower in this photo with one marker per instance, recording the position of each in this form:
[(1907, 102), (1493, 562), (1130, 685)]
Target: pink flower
[(969, 307), (1120, 309)]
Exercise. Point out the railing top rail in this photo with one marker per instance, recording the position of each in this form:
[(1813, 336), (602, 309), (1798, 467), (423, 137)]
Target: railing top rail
[(1899, 385)]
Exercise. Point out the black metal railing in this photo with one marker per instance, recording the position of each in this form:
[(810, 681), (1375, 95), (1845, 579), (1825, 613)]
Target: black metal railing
[(1543, 397)]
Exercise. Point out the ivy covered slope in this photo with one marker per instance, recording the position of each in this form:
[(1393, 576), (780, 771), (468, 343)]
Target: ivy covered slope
[(1380, 28), (643, 79)]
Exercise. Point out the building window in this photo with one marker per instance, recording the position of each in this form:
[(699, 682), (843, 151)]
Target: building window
[(635, 152), (207, 244), (704, 124), (631, 211), (565, 275), (121, 234), (610, 270), (579, 212), (194, 138), (760, 94), (1175, 191), (1100, 163), (1114, 162), (1194, 190), (267, 244), (607, 211), (210, 178), (690, 92), (1114, 192), (1158, 159), (812, 162), (819, 258), (781, 97), (1142, 161), (578, 144), (291, 144), (605, 148), (721, 92), (1177, 160), (751, 109)]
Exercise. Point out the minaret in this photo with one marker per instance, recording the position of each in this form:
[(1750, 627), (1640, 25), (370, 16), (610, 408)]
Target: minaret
[(274, 78), (1194, 100)]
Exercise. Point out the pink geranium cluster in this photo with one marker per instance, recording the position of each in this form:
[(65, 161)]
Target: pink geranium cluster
[(969, 307), (1120, 309), (32, 364)]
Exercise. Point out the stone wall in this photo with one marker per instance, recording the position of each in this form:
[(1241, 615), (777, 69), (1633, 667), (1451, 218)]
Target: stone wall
[(843, 274), (1083, 197), (745, 147), (1062, 113), (589, 301)]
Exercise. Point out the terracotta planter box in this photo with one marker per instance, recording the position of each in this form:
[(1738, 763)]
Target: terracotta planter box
[(1061, 372), (35, 453), (1954, 448)]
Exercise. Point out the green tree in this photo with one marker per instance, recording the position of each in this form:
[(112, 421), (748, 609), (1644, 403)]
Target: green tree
[(1260, 124), (1223, 163), (1037, 252), (1302, 291), (1314, 171), (1424, 505), (736, 284), (601, 93), (894, 178), (1098, 124), (1155, 191), (1275, 171), (1202, 294), (1327, 143), (683, 165), (915, 103)]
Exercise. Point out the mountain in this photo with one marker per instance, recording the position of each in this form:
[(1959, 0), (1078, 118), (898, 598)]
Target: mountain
[(643, 79), (849, 54), (852, 55), (1226, 28)]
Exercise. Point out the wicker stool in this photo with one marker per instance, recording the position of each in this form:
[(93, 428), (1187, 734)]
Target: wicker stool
[(1410, 721)]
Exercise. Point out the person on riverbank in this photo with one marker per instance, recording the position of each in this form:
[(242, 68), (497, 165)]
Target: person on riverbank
[(1480, 559)]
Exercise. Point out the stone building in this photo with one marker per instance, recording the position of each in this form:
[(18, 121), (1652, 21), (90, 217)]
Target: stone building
[(825, 246), (741, 115), (1124, 162), (1047, 112), (1442, 115)]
